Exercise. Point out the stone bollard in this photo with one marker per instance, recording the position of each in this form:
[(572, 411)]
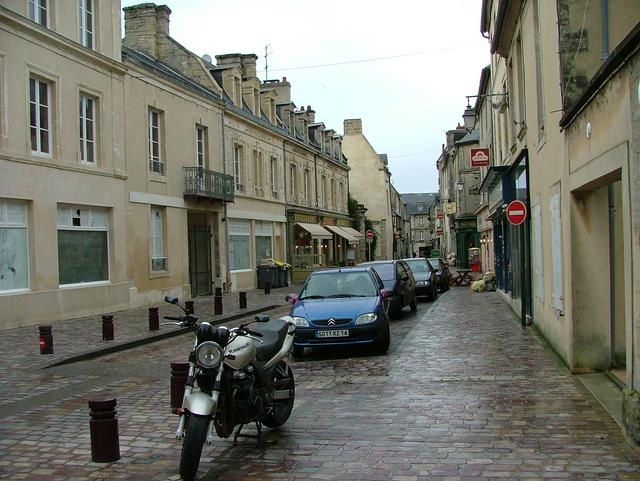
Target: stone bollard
[(188, 306), (103, 427), (179, 373), (154, 319), (45, 339), (107, 327), (267, 287), (242, 299), (217, 302)]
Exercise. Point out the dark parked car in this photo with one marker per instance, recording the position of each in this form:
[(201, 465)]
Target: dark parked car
[(339, 307), (398, 278), (442, 272), (425, 276)]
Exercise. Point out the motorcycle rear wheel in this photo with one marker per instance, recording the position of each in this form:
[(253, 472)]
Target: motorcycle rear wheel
[(282, 407), (192, 446)]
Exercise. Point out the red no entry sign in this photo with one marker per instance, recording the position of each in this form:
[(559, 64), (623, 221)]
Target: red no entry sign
[(516, 212), (369, 234)]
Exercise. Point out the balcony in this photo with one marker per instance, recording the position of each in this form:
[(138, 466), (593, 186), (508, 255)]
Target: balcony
[(203, 183)]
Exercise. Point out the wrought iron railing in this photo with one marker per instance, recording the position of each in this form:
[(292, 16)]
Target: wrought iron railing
[(201, 182)]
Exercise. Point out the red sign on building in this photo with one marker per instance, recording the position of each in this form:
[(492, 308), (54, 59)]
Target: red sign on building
[(480, 157), (516, 212)]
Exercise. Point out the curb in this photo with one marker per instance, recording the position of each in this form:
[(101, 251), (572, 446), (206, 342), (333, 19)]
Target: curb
[(140, 341)]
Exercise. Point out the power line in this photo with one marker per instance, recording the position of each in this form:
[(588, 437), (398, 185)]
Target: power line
[(376, 59)]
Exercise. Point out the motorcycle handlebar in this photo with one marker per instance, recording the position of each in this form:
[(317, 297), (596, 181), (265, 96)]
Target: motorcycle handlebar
[(172, 318), (253, 333)]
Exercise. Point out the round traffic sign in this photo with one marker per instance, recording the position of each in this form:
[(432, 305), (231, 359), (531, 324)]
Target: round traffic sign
[(516, 212), (369, 234)]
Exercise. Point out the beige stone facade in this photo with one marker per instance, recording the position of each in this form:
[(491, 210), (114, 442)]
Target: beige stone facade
[(370, 184), (62, 163), (566, 143)]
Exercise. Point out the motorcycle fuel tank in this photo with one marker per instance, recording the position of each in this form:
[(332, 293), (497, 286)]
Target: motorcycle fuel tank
[(243, 351)]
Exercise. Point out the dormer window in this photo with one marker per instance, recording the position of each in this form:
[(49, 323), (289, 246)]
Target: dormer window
[(256, 100), (237, 91)]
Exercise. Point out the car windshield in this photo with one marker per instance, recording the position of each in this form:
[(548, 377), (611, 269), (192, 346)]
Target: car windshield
[(435, 263), (339, 284), (385, 271), (418, 266)]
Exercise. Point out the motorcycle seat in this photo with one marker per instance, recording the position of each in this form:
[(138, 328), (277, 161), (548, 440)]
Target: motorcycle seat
[(273, 334)]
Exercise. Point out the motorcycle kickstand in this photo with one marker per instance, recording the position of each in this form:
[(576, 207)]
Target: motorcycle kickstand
[(237, 433)]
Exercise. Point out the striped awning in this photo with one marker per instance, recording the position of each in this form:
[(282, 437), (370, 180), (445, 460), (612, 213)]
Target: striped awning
[(353, 232), (342, 233)]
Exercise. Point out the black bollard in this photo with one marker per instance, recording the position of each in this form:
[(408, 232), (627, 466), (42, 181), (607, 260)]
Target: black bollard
[(188, 306), (154, 319), (267, 287), (179, 373), (103, 427), (46, 340), (217, 302), (242, 299), (107, 327)]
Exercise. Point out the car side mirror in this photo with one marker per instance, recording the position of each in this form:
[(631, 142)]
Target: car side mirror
[(292, 298), (171, 300), (385, 293)]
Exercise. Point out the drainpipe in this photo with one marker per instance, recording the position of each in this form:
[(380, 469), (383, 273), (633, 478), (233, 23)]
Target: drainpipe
[(604, 25), (226, 220)]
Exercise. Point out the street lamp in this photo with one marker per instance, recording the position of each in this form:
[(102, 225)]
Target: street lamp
[(469, 115)]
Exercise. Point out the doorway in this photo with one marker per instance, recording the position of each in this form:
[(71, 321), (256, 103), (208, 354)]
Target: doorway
[(200, 272)]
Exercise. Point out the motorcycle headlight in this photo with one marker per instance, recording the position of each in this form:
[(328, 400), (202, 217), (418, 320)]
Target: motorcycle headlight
[(300, 321), (209, 355), (366, 318)]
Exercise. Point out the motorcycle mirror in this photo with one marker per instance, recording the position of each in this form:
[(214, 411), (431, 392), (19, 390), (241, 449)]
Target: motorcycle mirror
[(292, 298), (262, 318), (171, 300)]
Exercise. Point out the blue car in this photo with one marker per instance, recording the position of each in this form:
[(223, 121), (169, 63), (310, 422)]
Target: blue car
[(338, 307)]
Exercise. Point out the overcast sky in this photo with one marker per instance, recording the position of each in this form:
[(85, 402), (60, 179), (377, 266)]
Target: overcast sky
[(403, 66)]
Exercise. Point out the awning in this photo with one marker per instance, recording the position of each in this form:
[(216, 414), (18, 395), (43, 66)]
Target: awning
[(316, 230), (342, 233), (353, 232)]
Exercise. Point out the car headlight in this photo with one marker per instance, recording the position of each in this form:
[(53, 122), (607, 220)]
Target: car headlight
[(209, 355), (420, 283), (300, 321), (366, 318)]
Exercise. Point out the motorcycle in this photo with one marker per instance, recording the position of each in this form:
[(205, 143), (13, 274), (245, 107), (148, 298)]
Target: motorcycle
[(236, 376)]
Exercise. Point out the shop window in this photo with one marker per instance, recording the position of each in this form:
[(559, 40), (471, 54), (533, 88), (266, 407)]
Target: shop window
[(83, 252), (14, 261), (239, 245)]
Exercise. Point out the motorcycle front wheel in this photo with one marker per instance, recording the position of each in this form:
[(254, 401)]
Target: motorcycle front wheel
[(281, 408), (192, 446)]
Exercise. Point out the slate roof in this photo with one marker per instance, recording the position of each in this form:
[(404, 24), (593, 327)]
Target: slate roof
[(415, 200)]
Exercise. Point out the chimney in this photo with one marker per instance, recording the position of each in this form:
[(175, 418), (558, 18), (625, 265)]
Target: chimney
[(283, 89), (311, 114), (249, 65), (352, 126), (229, 59), (142, 25)]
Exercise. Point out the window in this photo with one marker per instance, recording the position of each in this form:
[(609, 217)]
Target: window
[(341, 196), (83, 253), (325, 199), (539, 80), (85, 22), (264, 233), (333, 194), (158, 258), (39, 11), (239, 245), (40, 116), (14, 260), (258, 173), (421, 235), (273, 177), (156, 164), (306, 186), (293, 181), (87, 129), (421, 221), (538, 273), (202, 147), (237, 167)]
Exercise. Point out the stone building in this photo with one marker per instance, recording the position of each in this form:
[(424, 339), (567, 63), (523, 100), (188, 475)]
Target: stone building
[(565, 131), (370, 184), (423, 220), (63, 169)]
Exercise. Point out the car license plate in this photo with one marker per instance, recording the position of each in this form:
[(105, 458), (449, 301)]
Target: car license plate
[(333, 333)]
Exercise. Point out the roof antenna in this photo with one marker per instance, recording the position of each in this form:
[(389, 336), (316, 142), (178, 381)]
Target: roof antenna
[(266, 64)]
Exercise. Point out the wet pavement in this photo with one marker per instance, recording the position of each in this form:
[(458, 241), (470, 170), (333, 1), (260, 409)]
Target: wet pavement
[(464, 393)]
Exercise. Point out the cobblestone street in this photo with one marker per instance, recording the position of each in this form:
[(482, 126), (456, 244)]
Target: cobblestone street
[(464, 393)]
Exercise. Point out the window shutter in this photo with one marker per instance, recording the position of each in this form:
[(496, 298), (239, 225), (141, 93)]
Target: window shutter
[(556, 251)]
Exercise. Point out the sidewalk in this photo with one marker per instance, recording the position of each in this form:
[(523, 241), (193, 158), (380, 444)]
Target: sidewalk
[(81, 338)]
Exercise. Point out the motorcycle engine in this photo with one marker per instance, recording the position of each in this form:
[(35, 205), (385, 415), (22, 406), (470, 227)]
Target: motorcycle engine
[(250, 401)]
